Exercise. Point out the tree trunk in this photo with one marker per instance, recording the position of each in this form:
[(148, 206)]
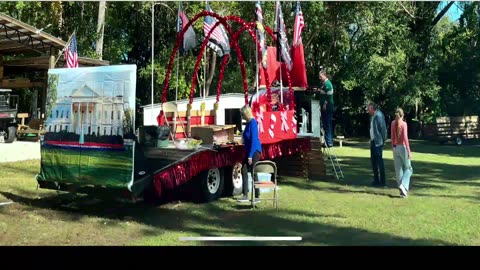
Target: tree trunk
[(212, 63), (100, 28)]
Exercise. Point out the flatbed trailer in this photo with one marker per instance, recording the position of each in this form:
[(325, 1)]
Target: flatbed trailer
[(210, 168), (161, 173)]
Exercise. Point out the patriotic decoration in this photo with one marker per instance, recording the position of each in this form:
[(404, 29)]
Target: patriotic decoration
[(283, 50), (298, 73), (218, 40), (298, 26), (273, 121), (261, 33), (189, 37), (71, 53), (294, 124), (259, 118), (276, 126), (284, 121)]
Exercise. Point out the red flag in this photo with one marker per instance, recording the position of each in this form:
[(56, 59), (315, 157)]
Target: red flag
[(298, 74)]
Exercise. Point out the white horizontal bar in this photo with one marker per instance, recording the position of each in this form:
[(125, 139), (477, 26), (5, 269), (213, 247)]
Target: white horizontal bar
[(5, 203), (248, 238)]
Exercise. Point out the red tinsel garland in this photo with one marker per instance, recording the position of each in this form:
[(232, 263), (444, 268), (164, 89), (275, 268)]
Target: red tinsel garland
[(179, 174)]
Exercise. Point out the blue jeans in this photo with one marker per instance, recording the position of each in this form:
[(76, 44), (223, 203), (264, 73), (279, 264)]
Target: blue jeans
[(376, 156), (327, 125), (403, 166)]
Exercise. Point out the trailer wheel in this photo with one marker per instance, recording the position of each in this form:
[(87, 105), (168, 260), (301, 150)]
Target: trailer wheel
[(232, 180), (458, 141), (10, 136), (212, 182)]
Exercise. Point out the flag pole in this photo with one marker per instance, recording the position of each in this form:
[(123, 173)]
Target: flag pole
[(277, 28), (153, 56), (256, 62), (178, 59), (176, 89), (204, 68), (66, 45), (281, 84), (204, 72)]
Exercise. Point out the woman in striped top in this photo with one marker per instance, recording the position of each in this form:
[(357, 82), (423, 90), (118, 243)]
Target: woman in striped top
[(401, 153)]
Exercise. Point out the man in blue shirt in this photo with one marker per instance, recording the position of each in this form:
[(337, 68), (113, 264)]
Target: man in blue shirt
[(378, 135), (253, 150)]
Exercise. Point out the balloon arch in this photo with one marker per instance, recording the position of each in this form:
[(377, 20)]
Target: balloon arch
[(245, 26)]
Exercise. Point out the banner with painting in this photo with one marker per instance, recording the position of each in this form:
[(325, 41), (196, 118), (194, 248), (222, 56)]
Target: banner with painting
[(90, 126)]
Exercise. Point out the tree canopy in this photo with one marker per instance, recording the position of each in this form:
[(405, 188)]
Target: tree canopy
[(407, 54)]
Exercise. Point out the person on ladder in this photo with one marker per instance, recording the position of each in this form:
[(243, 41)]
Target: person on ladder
[(326, 107)]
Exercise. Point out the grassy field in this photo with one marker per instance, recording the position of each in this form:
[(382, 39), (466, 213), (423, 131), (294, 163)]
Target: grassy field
[(109, 168), (442, 208)]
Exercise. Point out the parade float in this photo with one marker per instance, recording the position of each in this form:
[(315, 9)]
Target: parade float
[(183, 147)]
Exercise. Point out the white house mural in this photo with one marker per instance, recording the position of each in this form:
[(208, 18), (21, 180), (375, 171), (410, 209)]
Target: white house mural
[(88, 112), (90, 126)]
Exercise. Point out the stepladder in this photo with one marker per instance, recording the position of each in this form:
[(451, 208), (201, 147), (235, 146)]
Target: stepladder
[(329, 152)]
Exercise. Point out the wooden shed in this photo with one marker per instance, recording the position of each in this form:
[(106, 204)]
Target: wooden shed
[(24, 49)]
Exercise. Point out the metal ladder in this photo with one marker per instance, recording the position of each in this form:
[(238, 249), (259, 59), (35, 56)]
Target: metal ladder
[(329, 152)]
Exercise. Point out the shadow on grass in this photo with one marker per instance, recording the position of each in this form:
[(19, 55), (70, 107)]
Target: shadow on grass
[(213, 220), (358, 172), (432, 147)]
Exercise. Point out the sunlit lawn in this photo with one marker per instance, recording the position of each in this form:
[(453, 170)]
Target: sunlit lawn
[(442, 209)]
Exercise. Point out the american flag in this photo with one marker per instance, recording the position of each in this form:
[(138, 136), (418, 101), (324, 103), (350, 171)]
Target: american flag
[(283, 50), (261, 33), (298, 26), (218, 38), (71, 53)]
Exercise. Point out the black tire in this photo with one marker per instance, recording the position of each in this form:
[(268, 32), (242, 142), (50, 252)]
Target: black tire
[(211, 187), (12, 131), (228, 181)]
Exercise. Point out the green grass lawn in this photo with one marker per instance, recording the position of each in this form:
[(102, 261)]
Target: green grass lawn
[(442, 208)]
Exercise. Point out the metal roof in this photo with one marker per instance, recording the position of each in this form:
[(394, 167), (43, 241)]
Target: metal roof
[(18, 37)]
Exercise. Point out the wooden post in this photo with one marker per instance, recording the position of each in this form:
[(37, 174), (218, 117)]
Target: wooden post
[(189, 121), (202, 114), (215, 113), (51, 62), (1, 67)]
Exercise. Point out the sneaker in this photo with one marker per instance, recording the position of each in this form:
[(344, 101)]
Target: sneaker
[(257, 200), (244, 199), (403, 191)]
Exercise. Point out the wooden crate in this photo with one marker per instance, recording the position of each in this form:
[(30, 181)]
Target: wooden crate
[(209, 133), (310, 165)]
